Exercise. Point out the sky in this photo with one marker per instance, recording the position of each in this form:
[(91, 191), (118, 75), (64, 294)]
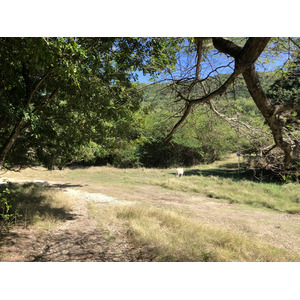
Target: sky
[(220, 59)]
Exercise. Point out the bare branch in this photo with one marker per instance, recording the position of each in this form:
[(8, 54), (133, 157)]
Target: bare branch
[(226, 46), (245, 57), (298, 46), (217, 92), (269, 149), (199, 47), (186, 113), (287, 107), (235, 122)]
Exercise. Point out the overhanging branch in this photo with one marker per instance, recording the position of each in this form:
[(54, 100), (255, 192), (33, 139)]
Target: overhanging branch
[(182, 119), (244, 58), (37, 85), (287, 107)]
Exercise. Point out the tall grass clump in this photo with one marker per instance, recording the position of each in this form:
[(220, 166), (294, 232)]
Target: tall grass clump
[(175, 237)]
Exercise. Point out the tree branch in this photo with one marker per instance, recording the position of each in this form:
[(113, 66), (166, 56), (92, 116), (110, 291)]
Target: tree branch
[(199, 47), (37, 85), (287, 107), (182, 119), (235, 122), (48, 99), (244, 59)]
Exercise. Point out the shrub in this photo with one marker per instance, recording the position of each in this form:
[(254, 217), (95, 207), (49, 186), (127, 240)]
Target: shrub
[(8, 211)]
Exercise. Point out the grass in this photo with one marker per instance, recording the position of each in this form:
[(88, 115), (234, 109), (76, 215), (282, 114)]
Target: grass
[(175, 237), (275, 197), (39, 205), (219, 181), (165, 217)]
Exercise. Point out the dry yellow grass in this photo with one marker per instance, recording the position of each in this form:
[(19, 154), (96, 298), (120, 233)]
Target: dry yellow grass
[(41, 206), (175, 237)]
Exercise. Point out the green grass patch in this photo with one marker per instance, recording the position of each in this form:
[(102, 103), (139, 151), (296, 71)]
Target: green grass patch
[(276, 197), (218, 181)]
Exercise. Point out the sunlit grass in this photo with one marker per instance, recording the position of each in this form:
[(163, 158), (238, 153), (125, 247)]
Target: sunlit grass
[(216, 181), (167, 229), (175, 237), (39, 205), (283, 198)]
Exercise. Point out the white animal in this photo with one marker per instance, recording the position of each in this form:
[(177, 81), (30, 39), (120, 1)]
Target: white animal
[(179, 172)]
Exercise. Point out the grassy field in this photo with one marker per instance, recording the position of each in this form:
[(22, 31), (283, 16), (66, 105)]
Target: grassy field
[(218, 181), (211, 214), (173, 236)]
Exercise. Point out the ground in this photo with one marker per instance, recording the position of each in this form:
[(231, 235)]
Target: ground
[(80, 238)]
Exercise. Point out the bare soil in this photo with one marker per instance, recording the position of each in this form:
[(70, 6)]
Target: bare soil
[(79, 238)]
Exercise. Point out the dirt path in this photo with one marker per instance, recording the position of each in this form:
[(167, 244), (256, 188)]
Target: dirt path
[(79, 238)]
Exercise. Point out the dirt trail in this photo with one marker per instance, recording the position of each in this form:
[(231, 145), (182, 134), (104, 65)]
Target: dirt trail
[(80, 239), (77, 239)]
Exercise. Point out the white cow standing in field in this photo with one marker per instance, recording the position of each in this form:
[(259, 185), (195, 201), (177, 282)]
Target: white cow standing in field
[(179, 172)]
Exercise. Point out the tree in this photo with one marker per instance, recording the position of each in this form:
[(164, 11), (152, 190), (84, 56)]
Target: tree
[(60, 94), (193, 89)]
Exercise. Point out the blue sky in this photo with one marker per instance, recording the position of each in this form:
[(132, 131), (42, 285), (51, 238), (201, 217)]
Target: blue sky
[(220, 59), (142, 78)]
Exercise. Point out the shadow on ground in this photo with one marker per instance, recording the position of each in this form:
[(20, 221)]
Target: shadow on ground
[(229, 170), (55, 185), (34, 201), (92, 245)]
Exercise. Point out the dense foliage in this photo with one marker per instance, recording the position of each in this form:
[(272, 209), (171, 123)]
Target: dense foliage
[(59, 96)]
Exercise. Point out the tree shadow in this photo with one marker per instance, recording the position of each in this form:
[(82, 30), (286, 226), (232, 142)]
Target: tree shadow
[(34, 201), (227, 170), (65, 185), (47, 184), (233, 174), (231, 170), (82, 245), (31, 203)]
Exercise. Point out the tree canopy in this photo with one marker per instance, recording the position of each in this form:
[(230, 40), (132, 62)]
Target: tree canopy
[(60, 94), (68, 99)]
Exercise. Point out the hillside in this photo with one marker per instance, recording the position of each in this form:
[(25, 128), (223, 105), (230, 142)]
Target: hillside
[(160, 92)]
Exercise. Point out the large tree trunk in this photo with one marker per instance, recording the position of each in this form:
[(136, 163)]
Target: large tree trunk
[(268, 111), (245, 58)]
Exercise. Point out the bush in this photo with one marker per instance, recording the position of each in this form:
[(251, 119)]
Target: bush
[(158, 155), (8, 210)]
